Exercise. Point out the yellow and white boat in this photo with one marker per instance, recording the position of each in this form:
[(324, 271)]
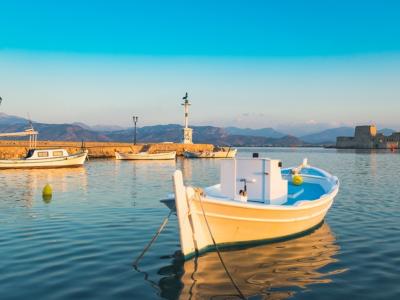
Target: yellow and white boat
[(255, 202)]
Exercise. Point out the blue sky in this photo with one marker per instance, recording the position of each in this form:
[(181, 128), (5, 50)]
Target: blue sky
[(286, 64)]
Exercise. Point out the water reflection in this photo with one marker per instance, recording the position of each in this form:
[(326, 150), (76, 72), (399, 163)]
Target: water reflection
[(273, 271), (23, 185), (186, 167), (166, 162)]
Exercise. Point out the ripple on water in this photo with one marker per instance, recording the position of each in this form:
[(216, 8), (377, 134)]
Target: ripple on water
[(82, 243)]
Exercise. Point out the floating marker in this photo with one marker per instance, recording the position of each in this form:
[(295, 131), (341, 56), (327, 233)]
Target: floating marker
[(47, 190)]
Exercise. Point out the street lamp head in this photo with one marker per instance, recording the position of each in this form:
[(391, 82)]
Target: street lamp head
[(135, 119)]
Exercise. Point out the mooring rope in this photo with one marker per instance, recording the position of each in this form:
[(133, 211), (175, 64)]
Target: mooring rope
[(227, 153), (136, 262), (198, 193)]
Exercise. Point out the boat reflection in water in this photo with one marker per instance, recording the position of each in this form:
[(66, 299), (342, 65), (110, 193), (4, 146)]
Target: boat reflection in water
[(273, 271)]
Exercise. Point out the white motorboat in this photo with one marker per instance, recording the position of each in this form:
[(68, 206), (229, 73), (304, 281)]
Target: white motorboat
[(46, 158), (145, 156), (223, 152), (255, 202), (42, 158)]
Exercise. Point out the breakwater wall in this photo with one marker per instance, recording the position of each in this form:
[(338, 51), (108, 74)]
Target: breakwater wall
[(18, 149)]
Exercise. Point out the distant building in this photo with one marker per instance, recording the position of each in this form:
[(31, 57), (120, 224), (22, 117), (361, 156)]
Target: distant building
[(367, 137)]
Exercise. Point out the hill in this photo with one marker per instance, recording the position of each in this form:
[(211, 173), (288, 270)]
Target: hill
[(8, 120), (231, 136), (264, 132), (386, 131), (328, 136)]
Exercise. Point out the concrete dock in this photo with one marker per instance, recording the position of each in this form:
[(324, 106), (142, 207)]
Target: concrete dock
[(18, 149)]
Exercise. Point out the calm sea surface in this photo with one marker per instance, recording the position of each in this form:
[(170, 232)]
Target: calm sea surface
[(81, 243)]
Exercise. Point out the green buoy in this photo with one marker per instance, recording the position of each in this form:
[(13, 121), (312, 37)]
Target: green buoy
[(47, 193), (47, 190)]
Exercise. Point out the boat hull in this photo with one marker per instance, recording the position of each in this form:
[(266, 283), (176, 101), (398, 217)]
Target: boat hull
[(233, 222), (216, 154), (76, 160), (145, 156)]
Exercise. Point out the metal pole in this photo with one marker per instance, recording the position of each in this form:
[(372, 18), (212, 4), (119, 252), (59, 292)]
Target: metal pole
[(135, 119)]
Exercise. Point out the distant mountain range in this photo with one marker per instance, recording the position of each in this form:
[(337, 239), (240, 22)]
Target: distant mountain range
[(7, 119), (172, 133), (386, 131), (100, 127), (264, 132), (328, 136)]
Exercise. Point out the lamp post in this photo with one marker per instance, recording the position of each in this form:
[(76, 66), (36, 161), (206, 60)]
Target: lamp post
[(135, 120)]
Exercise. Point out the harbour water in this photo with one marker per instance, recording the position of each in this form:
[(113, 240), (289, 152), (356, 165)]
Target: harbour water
[(82, 242)]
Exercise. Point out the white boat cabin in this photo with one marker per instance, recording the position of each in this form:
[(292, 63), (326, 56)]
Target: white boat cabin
[(258, 179), (46, 153)]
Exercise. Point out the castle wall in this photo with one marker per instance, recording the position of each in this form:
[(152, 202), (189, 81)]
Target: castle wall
[(367, 137), (345, 142)]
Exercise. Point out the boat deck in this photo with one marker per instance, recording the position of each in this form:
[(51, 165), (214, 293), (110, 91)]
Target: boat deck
[(314, 187), (306, 191)]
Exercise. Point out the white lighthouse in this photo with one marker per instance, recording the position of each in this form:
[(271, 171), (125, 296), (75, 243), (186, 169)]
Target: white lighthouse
[(187, 132)]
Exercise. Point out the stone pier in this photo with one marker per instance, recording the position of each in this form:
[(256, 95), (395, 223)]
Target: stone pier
[(18, 149)]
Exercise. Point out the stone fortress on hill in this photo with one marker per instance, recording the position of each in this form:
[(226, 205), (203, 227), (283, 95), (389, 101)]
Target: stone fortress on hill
[(367, 137)]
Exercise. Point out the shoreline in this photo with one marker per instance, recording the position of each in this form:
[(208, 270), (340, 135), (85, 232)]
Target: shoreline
[(10, 149)]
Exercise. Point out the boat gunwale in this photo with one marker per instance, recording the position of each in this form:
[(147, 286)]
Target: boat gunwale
[(42, 167)]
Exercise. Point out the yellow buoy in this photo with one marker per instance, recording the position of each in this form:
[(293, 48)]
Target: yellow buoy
[(297, 179), (47, 190)]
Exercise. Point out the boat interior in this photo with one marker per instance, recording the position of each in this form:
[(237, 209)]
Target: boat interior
[(316, 183), (262, 182)]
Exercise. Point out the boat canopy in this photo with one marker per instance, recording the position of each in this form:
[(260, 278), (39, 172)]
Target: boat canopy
[(29, 132)]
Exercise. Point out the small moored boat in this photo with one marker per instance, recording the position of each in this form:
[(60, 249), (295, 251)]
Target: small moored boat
[(256, 201), (145, 156), (223, 152), (46, 158), (42, 158)]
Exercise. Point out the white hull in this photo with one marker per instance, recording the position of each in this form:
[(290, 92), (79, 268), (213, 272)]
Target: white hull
[(145, 156), (234, 222), (211, 154), (74, 160)]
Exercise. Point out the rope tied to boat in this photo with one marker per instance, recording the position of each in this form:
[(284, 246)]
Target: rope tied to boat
[(160, 229), (198, 194)]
